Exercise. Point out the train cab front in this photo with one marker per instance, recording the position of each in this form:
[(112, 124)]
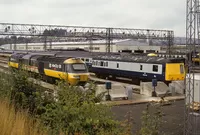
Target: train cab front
[(174, 72), (77, 72)]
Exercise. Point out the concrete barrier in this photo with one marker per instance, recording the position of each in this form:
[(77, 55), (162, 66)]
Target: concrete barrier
[(117, 92), (147, 89), (177, 87)]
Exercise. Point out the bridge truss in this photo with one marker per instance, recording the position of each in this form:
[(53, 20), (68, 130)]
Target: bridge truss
[(51, 33)]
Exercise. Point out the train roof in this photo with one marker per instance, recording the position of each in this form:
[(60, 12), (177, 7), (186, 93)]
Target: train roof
[(139, 59), (36, 57), (43, 53), (53, 59), (30, 55), (17, 55)]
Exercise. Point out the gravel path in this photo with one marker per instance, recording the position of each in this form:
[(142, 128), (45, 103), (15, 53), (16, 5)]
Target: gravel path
[(173, 116)]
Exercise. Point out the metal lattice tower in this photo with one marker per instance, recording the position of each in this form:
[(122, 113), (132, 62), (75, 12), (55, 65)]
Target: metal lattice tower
[(198, 20), (50, 44), (91, 45), (109, 33), (91, 48), (45, 43), (26, 44), (170, 36), (190, 119)]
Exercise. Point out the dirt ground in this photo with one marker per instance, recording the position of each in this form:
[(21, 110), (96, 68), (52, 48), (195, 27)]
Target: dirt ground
[(173, 117)]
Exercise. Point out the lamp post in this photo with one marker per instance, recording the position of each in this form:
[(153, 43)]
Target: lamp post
[(154, 84), (108, 87)]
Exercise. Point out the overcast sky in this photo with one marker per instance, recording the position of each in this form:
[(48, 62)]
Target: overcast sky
[(156, 14)]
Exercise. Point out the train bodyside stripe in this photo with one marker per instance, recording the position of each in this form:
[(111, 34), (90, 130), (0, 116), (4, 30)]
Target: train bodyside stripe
[(30, 68), (72, 78), (13, 64), (54, 73), (127, 74)]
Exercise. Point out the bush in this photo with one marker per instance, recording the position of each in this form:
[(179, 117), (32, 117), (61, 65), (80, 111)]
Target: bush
[(74, 110), (151, 120)]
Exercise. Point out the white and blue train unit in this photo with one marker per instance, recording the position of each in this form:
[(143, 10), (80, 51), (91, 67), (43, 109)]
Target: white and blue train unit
[(139, 67)]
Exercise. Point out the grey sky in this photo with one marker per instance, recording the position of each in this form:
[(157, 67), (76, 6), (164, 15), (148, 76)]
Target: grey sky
[(155, 14)]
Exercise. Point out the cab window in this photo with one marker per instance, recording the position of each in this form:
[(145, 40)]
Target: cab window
[(87, 60), (79, 67), (155, 68)]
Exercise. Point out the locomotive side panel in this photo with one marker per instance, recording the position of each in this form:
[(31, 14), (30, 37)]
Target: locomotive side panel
[(128, 69)]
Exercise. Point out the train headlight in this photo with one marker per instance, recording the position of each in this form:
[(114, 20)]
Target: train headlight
[(76, 76)]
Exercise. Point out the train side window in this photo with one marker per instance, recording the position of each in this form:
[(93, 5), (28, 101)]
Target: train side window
[(181, 69), (93, 62), (87, 60), (106, 64), (141, 67), (117, 65), (101, 64), (155, 68)]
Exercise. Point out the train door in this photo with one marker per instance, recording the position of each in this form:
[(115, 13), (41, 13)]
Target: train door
[(41, 67)]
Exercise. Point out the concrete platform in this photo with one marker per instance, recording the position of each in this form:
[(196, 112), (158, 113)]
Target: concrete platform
[(114, 82), (177, 87), (141, 99)]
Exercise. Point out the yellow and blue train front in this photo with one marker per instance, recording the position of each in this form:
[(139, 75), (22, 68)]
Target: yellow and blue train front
[(174, 72), (78, 78), (13, 64), (75, 72)]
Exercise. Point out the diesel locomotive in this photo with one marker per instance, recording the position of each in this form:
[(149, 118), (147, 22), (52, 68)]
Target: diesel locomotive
[(72, 69)]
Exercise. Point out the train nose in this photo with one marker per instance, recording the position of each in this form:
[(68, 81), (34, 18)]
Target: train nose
[(76, 76), (84, 78)]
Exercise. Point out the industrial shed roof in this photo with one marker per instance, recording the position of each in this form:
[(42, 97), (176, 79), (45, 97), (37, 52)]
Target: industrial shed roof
[(96, 42)]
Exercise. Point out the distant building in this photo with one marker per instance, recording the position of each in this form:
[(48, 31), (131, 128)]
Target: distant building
[(129, 45)]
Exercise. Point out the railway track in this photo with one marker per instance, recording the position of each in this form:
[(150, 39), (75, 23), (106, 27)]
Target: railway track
[(50, 87)]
